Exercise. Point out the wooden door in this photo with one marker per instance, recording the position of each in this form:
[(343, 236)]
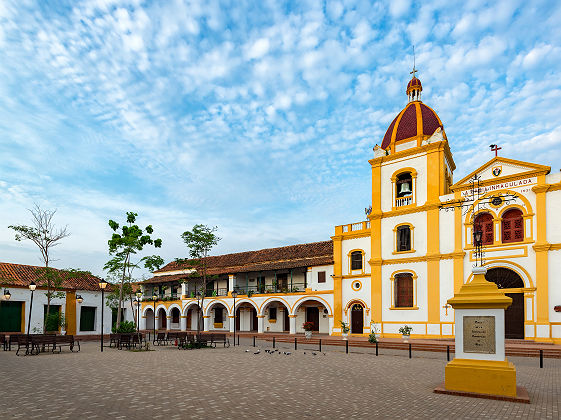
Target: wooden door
[(357, 319), (253, 319), (514, 317), (10, 316), (312, 315), (286, 321), (163, 319), (189, 319), (238, 319)]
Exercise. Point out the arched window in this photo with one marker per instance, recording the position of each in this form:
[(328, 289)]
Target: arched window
[(404, 185), (513, 226), (484, 222), (403, 288), (356, 260), (403, 238), (218, 319)]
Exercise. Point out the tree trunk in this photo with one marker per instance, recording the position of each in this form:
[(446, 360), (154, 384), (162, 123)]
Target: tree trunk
[(121, 292), (48, 297)]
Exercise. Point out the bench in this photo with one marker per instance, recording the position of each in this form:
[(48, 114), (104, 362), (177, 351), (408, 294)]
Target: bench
[(4, 342), (185, 339), (41, 342), (114, 339), (125, 341), (219, 338), (21, 341), (66, 340), (161, 339)]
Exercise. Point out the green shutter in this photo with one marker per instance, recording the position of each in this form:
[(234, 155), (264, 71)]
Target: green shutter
[(10, 316), (87, 318)]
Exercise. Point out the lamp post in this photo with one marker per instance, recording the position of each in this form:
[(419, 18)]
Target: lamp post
[(199, 312), (154, 297), (138, 298), (102, 286), (32, 287), (477, 242), (234, 295)]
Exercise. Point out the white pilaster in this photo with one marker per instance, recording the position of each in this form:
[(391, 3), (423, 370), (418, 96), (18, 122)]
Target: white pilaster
[(232, 323), (183, 321), (206, 323), (231, 278), (168, 323), (292, 324), (260, 322)]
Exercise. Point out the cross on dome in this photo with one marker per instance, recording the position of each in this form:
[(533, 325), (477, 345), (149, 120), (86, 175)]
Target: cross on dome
[(414, 86)]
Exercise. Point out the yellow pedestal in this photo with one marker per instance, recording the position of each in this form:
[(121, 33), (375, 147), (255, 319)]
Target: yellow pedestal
[(481, 376)]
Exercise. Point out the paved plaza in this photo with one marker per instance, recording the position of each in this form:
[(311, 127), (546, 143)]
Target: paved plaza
[(232, 383)]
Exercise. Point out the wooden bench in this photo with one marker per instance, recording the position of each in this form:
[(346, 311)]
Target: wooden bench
[(114, 339), (125, 341), (42, 342), (4, 342), (219, 338), (67, 340), (22, 342), (161, 339)]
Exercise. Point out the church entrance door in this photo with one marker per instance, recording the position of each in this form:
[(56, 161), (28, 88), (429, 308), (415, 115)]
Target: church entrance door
[(512, 284), (357, 319)]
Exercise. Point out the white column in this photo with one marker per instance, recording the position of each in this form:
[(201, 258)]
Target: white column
[(231, 278), (330, 325), (206, 323), (142, 323), (183, 289), (168, 323), (183, 321), (231, 323), (292, 319), (260, 322)]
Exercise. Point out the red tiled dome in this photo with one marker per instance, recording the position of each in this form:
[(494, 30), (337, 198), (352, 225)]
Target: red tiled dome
[(415, 120), (414, 83)]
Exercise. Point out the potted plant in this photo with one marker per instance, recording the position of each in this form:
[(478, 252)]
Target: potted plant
[(374, 330), (345, 330), (308, 328), (405, 331)]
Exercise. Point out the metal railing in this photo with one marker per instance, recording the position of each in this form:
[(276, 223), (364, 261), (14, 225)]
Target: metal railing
[(271, 288)]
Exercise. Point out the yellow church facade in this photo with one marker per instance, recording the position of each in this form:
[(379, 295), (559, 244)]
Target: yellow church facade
[(416, 250)]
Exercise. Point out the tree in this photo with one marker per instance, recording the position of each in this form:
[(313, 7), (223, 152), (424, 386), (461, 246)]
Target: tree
[(123, 246), (200, 241), (45, 235)]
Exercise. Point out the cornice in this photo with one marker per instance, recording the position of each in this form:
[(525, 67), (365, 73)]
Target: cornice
[(500, 180), (423, 258)]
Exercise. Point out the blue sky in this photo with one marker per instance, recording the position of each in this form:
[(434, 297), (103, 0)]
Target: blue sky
[(257, 117)]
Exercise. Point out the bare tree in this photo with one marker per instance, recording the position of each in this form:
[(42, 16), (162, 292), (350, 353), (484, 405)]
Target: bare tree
[(45, 235)]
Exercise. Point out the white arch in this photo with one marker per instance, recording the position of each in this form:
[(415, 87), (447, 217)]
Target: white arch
[(299, 303), (242, 301), (521, 271), (213, 304), (189, 306), (270, 300), (175, 305), (146, 309)]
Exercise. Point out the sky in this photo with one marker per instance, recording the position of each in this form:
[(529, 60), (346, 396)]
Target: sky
[(257, 117)]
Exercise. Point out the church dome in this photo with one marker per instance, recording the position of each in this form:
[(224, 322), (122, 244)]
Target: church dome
[(415, 121)]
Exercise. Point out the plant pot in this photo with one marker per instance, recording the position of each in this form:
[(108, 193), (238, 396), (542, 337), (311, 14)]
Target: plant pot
[(345, 336), (406, 337), (308, 334)]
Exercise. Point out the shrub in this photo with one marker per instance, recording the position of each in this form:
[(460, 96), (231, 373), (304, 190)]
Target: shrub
[(125, 327), (372, 338), (405, 330), (344, 327)]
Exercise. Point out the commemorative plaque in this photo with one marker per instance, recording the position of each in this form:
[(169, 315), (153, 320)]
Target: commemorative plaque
[(479, 334)]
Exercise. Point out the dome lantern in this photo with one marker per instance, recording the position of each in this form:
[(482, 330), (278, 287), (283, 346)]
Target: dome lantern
[(414, 87)]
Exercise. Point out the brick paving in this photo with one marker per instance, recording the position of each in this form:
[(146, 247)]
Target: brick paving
[(232, 383)]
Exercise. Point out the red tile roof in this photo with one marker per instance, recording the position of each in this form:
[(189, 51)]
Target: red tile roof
[(22, 275), (286, 257)]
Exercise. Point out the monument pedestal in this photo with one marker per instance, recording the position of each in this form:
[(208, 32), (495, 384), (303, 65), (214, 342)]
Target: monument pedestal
[(480, 367)]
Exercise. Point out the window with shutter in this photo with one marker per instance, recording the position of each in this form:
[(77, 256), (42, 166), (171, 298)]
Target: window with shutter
[(356, 260), (218, 315), (513, 226), (403, 238), (321, 276), (484, 222), (273, 313), (403, 290)]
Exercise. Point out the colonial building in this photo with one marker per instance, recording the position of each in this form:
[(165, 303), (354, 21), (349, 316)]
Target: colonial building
[(78, 300), (404, 262)]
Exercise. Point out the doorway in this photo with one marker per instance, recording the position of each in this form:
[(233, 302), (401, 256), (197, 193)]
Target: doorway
[(357, 319), (312, 315), (512, 284)]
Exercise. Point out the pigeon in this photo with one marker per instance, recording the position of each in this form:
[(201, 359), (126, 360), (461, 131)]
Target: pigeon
[(315, 354), (304, 352), (324, 354), (247, 351), (288, 353), (257, 352)]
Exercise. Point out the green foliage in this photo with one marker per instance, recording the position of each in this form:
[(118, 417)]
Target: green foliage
[(405, 330), (126, 241), (54, 320), (344, 327), (124, 327), (372, 338), (200, 240)]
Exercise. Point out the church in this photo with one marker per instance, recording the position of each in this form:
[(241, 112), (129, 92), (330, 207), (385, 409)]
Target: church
[(399, 267)]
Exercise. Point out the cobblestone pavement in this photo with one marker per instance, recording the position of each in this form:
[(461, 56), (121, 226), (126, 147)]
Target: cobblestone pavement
[(232, 383)]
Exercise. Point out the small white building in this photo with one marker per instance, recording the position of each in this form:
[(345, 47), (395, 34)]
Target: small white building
[(80, 302)]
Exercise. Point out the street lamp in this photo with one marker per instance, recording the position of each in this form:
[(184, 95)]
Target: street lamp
[(102, 286), (7, 294), (79, 299), (32, 287), (199, 313), (477, 242), (138, 299), (154, 298), (234, 295)]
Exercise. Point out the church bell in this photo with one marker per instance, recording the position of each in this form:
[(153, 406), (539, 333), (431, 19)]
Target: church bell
[(405, 189)]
